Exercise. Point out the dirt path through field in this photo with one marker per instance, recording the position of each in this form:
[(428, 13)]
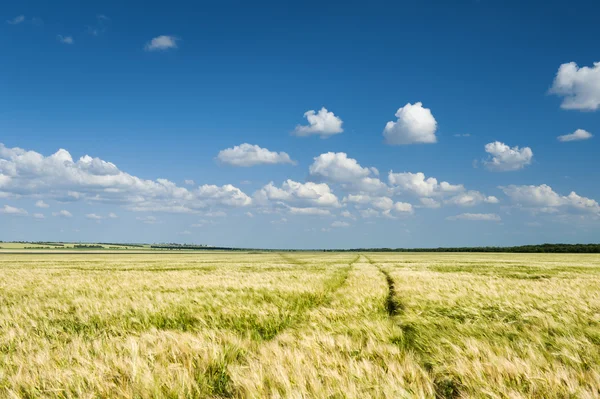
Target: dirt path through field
[(342, 349)]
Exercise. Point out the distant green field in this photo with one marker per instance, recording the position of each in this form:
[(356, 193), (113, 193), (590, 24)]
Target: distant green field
[(299, 325)]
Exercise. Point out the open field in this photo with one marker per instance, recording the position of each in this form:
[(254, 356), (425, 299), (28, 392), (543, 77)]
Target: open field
[(327, 325)]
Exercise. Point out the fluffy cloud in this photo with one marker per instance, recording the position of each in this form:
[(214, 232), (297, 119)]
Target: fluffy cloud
[(11, 210), (471, 198), (291, 192), (543, 198), (336, 167), (417, 184), (39, 216), (93, 216), (246, 155), (65, 39), (580, 87), (482, 217), (112, 216), (161, 43), (63, 214), (577, 135), (504, 159), (41, 204), (415, 124), (323, 123), (58, 176)]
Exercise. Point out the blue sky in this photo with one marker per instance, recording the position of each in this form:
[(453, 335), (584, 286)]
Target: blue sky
[(477, 93)]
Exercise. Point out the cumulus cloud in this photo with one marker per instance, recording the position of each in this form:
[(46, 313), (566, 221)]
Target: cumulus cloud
[(480, 217), (58, 176), (415, 124), (324, 123), (417, 184), (16, 20), (580, 87), (63, 214), (11, 210), (41, 204), (337, 167), (93, 216), (577, 135), (246, 155), (65, 39), (298, 194), (544, 199), (471, 198), (504, 158), (162, 43), (112, 215), (39, 216)]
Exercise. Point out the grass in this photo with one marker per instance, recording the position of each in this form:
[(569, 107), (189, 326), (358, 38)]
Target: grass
[(292, 325)]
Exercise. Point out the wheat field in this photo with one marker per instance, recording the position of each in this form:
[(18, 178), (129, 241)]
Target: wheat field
[(299, 325)]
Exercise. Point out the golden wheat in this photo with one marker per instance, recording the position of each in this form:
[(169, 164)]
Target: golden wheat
[(298, 325)]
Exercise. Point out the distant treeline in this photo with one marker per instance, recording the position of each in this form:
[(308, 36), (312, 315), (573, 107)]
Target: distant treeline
[(542, 248), (175, 247)]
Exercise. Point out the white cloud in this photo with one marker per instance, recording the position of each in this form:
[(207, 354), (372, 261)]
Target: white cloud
[(249, 214), (415, 124), (112, 215), (337, 223), (63, 214), (246, 155), (41, 204), (580, 87), (471, 198), (403, 207), (383, 203), (65, 39), (93, 216), (504, 158), (11, 210), (309, 211), (291, 192), (189, 182), (483, 217), (16, 20), (39, 216), (58, 176), (417, 184), (162, 43), (577, 135), (323, 123), (544, 199), (338, 168)]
